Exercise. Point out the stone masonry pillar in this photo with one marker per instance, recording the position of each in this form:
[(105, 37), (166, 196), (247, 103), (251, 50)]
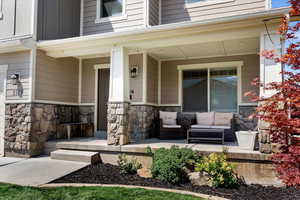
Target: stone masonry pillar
[(118, 105), (269, 72)]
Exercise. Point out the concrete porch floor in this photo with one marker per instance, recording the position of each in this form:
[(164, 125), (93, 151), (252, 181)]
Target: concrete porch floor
[(96, 144)]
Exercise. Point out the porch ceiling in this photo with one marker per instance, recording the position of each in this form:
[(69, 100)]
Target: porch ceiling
[(209, 49)]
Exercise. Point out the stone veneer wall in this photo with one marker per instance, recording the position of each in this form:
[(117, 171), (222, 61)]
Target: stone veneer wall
[(29, 126), (143, 120), (118, 123)]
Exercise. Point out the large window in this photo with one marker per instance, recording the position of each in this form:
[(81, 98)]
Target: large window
[(213, 89), (110, 8)]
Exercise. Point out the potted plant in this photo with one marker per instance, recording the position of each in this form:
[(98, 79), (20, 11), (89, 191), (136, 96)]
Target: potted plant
[(246, 139)]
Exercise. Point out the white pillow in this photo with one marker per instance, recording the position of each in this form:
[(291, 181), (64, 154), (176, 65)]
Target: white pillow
[(223, 119), (206, 118), (168, 118)]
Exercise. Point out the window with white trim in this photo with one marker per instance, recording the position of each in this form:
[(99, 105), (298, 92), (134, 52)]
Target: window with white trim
[(211, 89), (110, 10)]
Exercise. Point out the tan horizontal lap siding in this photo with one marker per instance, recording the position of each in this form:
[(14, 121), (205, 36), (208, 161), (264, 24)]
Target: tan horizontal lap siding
[(88, 78), (17, 63), (169, 75), (135, 18), (175, 10), (56, 79), (152, 80), (136, 84)]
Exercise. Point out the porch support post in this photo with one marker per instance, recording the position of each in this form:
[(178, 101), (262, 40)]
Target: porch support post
[(269, 72), (118, 105)]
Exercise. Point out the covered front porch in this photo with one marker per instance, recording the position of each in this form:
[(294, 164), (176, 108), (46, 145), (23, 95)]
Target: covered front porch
[(125, 81)]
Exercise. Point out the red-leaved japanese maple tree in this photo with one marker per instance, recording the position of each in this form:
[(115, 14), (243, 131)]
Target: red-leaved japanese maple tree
[(281, 111)]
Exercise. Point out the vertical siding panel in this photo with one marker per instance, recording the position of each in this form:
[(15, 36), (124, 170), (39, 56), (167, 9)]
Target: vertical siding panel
[(136, 84), (152, 80)]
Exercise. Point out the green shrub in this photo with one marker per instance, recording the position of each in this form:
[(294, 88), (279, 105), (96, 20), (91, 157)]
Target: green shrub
[(169, 164), (128, 166), (220, 172)]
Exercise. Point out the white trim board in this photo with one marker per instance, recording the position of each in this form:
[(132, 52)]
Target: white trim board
[(3, 69), (237, 64)]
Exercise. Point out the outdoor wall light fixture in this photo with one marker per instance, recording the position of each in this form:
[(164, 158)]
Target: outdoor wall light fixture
[(134, 71), (15, 78)]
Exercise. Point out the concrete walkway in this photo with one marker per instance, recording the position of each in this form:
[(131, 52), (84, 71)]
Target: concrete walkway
[(6, 161), (36, 171)]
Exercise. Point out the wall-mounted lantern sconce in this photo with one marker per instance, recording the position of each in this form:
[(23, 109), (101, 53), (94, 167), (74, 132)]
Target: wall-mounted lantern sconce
[(134, 72), (15, 78)]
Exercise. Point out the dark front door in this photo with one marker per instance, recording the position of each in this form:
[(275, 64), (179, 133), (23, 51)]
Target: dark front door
[(103, 92)]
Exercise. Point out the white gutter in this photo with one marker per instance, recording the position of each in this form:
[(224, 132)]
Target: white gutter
[(164, 27)]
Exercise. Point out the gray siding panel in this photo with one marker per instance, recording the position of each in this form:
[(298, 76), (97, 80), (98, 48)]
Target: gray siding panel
[(58, 19), (135, 18), (17, 63), (24, 10), (175, 10), (153, 12), (7, 22)]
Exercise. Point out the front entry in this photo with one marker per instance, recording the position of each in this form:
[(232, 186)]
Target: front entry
[(103, 92), (3, 70)]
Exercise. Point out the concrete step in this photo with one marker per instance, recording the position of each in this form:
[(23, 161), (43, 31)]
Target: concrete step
[(76, 156)]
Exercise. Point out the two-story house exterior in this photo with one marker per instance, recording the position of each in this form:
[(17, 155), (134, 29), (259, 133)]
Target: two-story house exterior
[(65, 60)]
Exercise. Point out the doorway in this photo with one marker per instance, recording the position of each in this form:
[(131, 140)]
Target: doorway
[(102, 99), (3, 71)]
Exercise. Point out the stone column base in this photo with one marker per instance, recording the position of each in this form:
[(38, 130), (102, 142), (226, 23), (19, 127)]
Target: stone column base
[(118, 123)]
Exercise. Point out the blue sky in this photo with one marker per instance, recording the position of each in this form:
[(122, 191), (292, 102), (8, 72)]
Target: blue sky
[(279, 3)]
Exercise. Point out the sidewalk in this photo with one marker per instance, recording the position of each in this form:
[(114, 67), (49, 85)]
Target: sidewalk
[(35, 171)]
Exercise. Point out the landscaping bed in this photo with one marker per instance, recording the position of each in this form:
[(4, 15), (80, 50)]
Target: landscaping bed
[(110, 174)]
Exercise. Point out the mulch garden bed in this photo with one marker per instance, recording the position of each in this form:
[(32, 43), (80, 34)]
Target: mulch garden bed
[(110, 174)]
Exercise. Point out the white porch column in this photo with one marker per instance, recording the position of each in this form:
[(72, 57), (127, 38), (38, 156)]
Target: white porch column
[(269, 72), (118, 106)]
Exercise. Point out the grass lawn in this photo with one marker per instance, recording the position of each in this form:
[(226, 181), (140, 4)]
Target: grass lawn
[(12, 192)]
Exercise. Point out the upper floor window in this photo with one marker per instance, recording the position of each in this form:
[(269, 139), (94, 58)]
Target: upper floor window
[(109, 10)]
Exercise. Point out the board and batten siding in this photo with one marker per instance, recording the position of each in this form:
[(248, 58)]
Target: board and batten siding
[(135, 18), (19, 63), (16, 18), (176, 10), (169, 75), (56, 79), (136, 84), (153, 12), (58, 19), (152, 80)]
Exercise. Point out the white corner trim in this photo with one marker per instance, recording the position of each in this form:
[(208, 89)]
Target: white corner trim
[(146, 13), (210, 65), (206, 3), (34, 18), (145, 62), (100, 19), (102, 66), (32, 78), (80, 81), (3, 68), (81, 16)]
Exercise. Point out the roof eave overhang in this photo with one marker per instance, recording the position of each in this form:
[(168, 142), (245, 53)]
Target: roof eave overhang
[(101, 43)]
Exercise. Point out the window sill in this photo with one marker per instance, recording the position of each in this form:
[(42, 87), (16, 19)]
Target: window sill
[(110, 19), (206, 3)]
